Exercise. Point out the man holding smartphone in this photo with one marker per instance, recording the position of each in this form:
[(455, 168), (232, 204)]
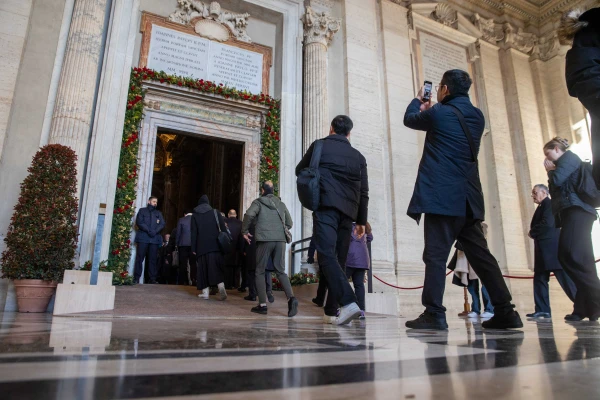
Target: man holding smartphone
[(449, 166)]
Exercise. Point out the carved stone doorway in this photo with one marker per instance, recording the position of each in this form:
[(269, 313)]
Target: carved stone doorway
[(187, 167)]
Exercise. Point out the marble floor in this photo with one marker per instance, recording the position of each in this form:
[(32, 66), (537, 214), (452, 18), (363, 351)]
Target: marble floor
[(110, 357)]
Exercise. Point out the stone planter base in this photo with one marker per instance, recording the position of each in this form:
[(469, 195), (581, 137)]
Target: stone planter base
[(305, 291), (33, 295)]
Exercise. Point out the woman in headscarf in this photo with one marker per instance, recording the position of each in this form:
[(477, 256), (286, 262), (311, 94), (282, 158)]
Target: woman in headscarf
[(205, 228)]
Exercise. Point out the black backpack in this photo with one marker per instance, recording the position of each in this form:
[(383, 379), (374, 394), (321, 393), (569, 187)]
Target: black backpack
[(585, 187), (307, 182)]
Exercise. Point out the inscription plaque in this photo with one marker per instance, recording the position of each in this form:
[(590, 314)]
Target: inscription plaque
[(438, 56), (187, 55)]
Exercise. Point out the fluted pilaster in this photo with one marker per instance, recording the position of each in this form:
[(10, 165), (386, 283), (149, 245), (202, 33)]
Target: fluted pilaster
[(72, 117)]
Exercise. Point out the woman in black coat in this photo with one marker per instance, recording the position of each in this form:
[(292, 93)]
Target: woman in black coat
[(576, 219), (583, 68), (205, 247), (545, 237)]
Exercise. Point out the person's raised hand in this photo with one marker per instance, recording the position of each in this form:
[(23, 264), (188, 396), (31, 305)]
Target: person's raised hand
[(549, 165)]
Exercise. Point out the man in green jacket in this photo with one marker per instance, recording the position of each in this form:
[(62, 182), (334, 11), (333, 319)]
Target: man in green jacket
[(270, 215)]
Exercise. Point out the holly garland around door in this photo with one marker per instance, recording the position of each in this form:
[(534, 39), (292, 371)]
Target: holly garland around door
[(125, 196)]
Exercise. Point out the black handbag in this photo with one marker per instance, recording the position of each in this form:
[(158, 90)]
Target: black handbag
[(224, 238), (586, 185), (307, 182)]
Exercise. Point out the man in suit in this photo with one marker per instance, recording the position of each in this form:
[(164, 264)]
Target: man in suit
[(232, 260), (448, 191), (150, 223), (184, 245), (545, 238), (344, 199)]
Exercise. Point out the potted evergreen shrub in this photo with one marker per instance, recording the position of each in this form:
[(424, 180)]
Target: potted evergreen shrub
[(42, 235)]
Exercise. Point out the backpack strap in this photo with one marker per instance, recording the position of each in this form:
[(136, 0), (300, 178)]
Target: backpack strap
[(461, 119), (316, 155), (217, 219)]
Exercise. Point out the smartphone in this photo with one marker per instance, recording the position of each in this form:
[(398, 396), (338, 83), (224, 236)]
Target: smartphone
[(427, 91)]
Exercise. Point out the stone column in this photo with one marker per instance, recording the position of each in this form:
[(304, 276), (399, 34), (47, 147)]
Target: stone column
[(73, 111), (319, 29)]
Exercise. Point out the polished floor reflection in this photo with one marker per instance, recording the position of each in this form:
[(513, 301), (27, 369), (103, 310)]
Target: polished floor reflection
[(105, 357)]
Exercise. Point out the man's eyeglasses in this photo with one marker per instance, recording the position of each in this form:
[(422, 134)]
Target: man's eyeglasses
[(437, 88)]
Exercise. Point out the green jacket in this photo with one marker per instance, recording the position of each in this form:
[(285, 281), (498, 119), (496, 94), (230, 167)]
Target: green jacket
[(269, 227)]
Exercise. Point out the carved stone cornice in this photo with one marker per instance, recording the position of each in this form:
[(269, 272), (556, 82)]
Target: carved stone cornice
[(319, 27), (194, 12)]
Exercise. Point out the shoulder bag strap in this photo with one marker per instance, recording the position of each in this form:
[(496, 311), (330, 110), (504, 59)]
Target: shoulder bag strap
[(316, 155), (276, 209), (217, 219), (465, 128)]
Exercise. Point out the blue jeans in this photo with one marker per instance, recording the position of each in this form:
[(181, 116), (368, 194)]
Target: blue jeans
[(473, 288)]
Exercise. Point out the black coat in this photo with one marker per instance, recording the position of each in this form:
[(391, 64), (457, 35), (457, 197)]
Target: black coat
[(150, 223), (582, 69), (545, 238), (184, 226), (344, 180), (447, 176), (235, 229), (562, 182), (204, 230)]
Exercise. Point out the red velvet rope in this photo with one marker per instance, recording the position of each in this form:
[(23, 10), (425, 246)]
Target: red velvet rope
[(421, 287)]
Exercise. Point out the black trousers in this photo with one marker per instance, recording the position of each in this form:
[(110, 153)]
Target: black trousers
[(321, 289), (185, 259), (358, 281), (541, 289), (149, 251), (332, 233), (244, 283), (440, 233), (576, 256)]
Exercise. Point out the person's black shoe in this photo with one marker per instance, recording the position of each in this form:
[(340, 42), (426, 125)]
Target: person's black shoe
[(250, 298), (317, 302), (270, 297), (428, 321), (573, 317), (242, 289), (511, 320), (153, 282), (292, 307), (259, 310), (539, 314), (136, 281)]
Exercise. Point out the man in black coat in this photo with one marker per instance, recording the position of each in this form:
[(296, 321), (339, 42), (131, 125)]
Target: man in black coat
[(545, 237), (150, 223), (184, 245), (344, 199), (582, 69), (232, 260), (448, 191)]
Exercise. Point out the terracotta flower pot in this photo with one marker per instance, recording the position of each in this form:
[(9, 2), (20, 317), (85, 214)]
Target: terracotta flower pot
[(33, 295)]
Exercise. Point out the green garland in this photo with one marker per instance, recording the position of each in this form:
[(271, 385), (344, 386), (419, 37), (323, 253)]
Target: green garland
[(125, 195)]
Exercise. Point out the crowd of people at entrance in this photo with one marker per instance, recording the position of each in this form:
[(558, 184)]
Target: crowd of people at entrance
[(448, 199)]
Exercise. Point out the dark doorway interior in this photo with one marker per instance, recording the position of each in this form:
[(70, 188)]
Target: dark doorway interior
[(186, 167)]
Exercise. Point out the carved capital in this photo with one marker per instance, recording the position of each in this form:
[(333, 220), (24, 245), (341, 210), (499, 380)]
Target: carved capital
[(446, 15), (490, 30), (319, 27), (519, 40), (188, 10), (548, 47)]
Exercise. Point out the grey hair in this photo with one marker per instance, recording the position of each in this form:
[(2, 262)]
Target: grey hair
[(542, 187)]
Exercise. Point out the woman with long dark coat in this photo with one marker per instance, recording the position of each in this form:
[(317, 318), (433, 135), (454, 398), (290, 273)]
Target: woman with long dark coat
[(205, 247), (545, 237), (576, 219), (582, 70)]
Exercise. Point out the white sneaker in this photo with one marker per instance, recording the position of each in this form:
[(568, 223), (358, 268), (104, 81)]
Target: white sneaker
[(487, 314), (222, 291), (472, 314), (205, 294), (347, 314)]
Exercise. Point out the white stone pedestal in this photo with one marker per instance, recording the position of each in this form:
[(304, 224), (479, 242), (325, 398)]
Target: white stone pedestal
[(76, 295)]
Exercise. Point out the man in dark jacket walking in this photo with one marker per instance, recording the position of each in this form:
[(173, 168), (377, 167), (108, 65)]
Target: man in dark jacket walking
[(545, 237), (184, 245), (150, 223), (270, 214), (448, 192), (344, 198)]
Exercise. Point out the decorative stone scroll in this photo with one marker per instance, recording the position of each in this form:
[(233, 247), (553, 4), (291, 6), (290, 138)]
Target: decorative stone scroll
[(490, 30), (547, 47), (518, 39), (189, 11), (444, 14)]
